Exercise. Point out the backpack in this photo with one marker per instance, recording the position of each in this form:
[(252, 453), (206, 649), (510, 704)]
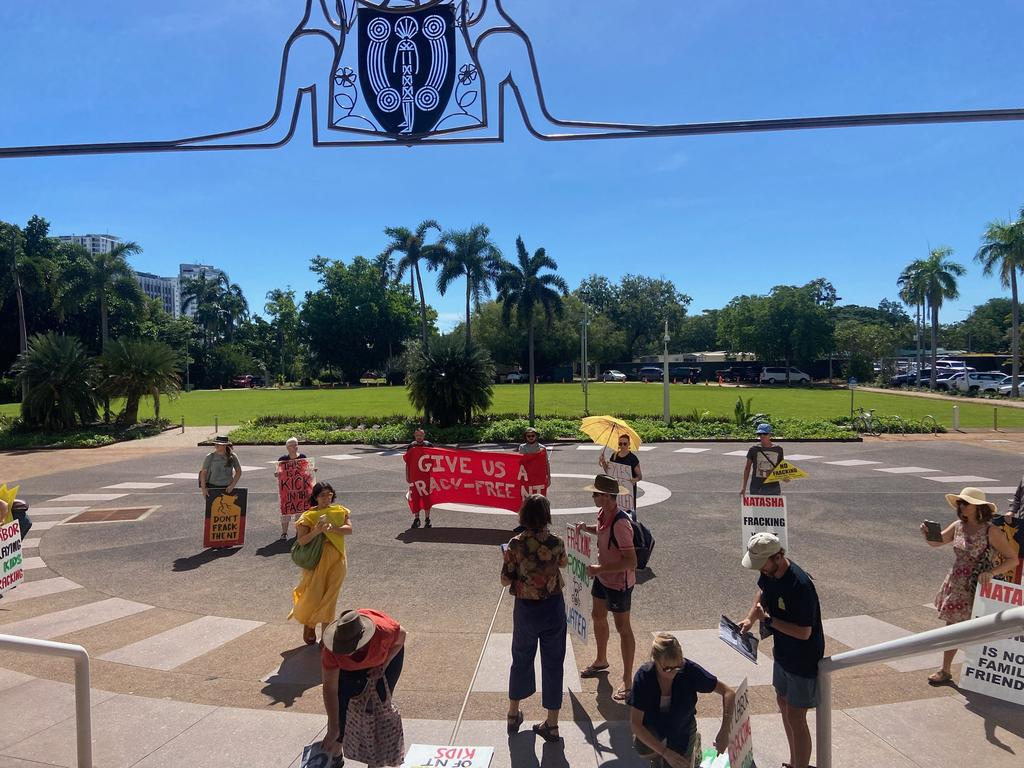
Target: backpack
[(643, 539)]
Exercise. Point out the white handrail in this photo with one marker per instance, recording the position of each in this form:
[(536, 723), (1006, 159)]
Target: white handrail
[(83, 712), (996, 626)]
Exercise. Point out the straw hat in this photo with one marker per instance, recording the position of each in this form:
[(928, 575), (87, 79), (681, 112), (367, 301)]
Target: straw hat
[(349, 633), (971, 495)]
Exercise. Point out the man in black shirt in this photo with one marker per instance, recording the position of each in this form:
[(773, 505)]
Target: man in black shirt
[(787, 604), (419, 441)]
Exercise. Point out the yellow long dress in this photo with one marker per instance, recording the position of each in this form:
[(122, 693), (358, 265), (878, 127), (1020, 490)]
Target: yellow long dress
[(315, 598)]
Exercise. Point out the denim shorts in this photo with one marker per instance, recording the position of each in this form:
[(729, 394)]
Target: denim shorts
[(799, 692), (619, 600)]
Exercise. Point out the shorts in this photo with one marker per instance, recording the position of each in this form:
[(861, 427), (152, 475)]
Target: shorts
[(799, 692), (619, 600)]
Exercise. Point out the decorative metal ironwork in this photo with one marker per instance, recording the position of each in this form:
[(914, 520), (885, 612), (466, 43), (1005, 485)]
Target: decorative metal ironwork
[(408, 72)]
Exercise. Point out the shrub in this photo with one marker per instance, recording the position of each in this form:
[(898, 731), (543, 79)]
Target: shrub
[(61, 378), (450, 380)]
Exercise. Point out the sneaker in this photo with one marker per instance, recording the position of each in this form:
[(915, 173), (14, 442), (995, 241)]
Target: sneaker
[(427, 524), (415, 523)]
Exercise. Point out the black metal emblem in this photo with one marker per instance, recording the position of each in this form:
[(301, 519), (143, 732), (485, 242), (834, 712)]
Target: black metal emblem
[(407, 66)]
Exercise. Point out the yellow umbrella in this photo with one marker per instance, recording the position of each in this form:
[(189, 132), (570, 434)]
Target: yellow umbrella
[(606, 430)]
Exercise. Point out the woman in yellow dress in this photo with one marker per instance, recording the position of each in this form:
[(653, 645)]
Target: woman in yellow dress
[(316, 596)]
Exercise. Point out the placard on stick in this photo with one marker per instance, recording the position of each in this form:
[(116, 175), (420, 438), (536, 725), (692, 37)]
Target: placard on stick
[(763, 513), (225, 518), (294, 485), (12, 570)]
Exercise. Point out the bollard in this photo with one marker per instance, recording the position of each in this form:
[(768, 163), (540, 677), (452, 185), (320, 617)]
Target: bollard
[(183, 425), (995, 419), (216, 425), (956, 418)]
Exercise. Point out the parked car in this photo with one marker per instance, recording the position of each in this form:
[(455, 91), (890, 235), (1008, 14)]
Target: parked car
[(778, 375), (909, 379), (1006, 385), (613, 376), (684, 373), (739, 373), (516, 377), (247, 380), (649, 373), (971, 381)]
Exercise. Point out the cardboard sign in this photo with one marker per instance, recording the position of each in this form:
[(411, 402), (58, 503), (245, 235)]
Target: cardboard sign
[(763, 513), (294, 485), (785, 472), (996, 668), (225, 518), (486, 478), (313, 756), (741, 741), (624, 474), (430, 756), (581, 549), (8, 495), (12, 571)]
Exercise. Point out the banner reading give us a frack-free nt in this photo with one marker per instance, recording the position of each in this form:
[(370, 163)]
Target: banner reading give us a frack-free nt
[(484, 478)]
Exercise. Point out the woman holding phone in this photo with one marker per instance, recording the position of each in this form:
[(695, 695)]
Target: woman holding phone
[(971, 534)]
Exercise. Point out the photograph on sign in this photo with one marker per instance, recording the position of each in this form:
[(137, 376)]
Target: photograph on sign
[(744, 643)]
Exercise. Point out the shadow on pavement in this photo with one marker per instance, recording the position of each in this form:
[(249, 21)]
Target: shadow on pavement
[(298, 673), (643, 575), (490, 537), (996, 714), (192, 562), (276, 547), (523, 751)]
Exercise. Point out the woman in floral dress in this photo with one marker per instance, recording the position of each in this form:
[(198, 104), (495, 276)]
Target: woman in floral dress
[(532, 572), (971, 535)]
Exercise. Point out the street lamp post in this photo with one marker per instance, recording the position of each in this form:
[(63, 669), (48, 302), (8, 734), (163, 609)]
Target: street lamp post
[(584, 363), (664, 379)]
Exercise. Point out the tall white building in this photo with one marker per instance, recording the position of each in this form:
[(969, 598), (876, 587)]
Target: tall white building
[(194, 272), (92, 243), (167, 289)]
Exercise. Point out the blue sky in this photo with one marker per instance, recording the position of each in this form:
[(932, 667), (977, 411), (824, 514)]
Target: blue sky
[(719, 215)]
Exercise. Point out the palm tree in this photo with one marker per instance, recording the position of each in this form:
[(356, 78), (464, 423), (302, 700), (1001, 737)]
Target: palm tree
[(413, 249), (470, 254), (450, 380), (233, 308), (1002, 251), (213, 301), (522, 287), (912, 294), (59, 375), (20, 264), (937, 275), (97, 277), (136, 368)]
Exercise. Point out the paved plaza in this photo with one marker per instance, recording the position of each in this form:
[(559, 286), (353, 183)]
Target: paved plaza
[(194, 662)]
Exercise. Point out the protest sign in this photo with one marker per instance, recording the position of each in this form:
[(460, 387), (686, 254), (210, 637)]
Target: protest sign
[(763, 513), (741, 741), (784, 471), (13, 571), (225, 518), (429, 756), (313, 756), (996, 668), (623, 473), (8, 495), (485, 478), (581, 548), (294, 485)]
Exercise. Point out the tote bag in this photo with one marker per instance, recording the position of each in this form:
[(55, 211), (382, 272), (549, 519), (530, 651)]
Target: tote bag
[(308, 555), (373, 729)]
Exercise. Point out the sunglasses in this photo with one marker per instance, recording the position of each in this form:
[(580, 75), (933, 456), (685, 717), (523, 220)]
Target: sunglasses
[(670, 669)]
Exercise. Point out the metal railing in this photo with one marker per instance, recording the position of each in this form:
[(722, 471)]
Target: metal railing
[(997, 626), (83, 712)]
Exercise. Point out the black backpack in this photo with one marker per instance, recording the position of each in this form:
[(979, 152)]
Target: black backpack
[(643, 539)]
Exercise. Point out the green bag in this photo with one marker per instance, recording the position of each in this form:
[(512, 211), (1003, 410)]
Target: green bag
[(308, 555)]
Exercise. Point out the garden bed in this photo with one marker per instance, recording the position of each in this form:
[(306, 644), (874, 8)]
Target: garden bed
[(13, 436)]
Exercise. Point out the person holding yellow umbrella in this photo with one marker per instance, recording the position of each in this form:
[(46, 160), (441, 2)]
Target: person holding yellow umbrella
[(622, 439)]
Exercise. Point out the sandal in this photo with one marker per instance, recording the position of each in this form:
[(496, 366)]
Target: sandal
[(942, 677), (547, 732), (622, 694), (514, 721), (593, 670), (309, 635)]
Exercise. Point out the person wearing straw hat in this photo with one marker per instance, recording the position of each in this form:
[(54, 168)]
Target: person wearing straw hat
[(357, 643), (971, 534), (613, 578), (787, 605), (221, 469)]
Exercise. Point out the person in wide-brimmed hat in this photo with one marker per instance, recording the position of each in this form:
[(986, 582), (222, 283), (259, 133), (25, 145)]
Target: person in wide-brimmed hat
[(358, 643), (613, 578), (972, 533), (221, 469)]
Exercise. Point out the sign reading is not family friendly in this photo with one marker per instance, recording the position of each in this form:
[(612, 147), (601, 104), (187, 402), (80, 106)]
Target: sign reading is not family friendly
[(485, 478), (996, 668)]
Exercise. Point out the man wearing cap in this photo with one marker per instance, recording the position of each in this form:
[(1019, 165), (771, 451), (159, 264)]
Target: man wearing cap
[(359, 643), (762, 458), (613, 578), (533, 445), (787, 605)]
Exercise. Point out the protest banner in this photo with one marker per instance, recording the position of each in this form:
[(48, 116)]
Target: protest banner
[(581, 548), (295, 485), (13, 572), (996, 668), (623, 473), (785, 472), (430, 756), (763, 513), (225, 518), (741, 741), (484, 478)]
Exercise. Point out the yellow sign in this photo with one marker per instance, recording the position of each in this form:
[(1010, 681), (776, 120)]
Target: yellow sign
[(7, 495), (785, 472)]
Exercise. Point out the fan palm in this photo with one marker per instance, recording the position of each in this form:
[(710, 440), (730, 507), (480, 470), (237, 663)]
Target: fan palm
[(1002, 251), (449, 379), (470, 254), (413, 249), (96, 277), (59, 376), (523, 288), (136, 368)]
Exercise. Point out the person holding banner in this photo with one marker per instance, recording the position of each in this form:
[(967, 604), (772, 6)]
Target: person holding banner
[(532, 570), (533, 445), (972, 534), (315, 598), (419, 441), (762, 459), (221, 469), (663, 705), (291, 447)]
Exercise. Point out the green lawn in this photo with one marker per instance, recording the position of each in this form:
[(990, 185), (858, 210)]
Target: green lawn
[(237, 405)]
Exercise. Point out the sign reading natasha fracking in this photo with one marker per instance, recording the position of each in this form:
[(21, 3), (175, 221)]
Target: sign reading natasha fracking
[(485, 478)]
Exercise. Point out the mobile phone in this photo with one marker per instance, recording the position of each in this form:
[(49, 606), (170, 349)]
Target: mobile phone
[(934, 532), (504, 548)]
